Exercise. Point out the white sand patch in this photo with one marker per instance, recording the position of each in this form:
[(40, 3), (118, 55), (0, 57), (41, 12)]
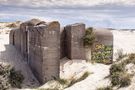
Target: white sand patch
[(124, 40), (94, 80), (9, 55)]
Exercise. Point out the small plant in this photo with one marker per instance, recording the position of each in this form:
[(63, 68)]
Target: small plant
[(15, 78), (118, 75), (131, 58), (4, 69), (62, 81), (4, 73), (89, 37), (120, 79), (125, 80), (66, 83), (4, 83), (102, 54), (105, 88), (115, 78), (84, 76), (116, 68), (9, 77)]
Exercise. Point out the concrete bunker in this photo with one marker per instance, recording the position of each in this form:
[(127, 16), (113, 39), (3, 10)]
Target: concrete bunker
[(43, 44)]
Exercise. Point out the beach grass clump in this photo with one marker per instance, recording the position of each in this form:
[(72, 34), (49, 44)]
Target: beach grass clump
[(125, 80), (105, 88), (15, 78), (89, 37), (118, 74), (116, 68), (9, 77), (65, 83), (73, 81), (62, 81)]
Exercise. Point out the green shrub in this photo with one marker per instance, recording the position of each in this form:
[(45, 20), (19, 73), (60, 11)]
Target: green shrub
[(116, 68), (130, 59), (4, 73), (115, 78), (4, 69), (120, 79), (105, 88), (9, 77), (118, 75), (102, 54), (4, 83), (89, 37), (15, 78), (131, 56), (125, 80)]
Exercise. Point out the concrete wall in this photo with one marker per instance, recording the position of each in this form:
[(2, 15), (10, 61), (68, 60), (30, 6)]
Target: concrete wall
[(44, 51), (39, 43), (11, 37), (74, 41), (17, 39), (103, 36), (23, 36), (63, 50)]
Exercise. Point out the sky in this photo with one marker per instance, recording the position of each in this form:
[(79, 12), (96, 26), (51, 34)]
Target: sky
[(118, 14)]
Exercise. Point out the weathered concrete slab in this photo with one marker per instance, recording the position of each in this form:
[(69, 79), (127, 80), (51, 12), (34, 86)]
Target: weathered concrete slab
[(24, 35), (11, 37), (74, 41), (44, 51), (17, 39), (62, 43), (103, 36)]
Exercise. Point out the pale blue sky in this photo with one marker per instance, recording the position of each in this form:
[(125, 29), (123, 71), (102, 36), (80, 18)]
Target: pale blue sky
[(97, 13)]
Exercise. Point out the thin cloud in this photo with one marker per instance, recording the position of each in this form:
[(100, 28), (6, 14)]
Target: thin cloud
[(97, 13), (64, 3)]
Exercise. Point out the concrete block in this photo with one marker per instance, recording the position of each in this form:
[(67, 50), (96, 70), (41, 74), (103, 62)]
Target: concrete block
[(74, 41)]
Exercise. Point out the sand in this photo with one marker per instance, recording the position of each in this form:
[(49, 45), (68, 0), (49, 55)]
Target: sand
[(9, 55), (123, 40)]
